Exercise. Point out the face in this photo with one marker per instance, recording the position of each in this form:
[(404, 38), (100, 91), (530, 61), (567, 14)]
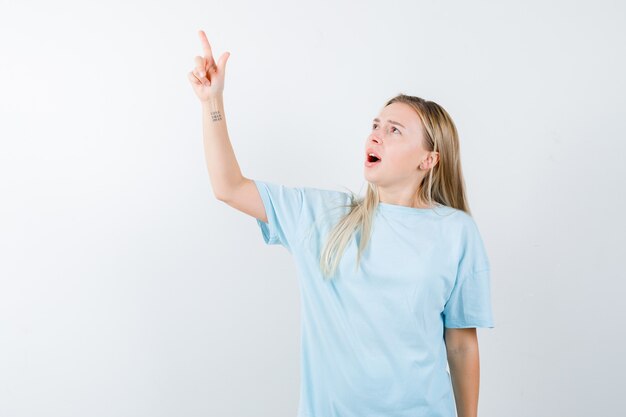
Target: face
[(397, 138)]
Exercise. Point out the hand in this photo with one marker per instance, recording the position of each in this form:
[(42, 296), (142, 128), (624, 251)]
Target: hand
[(207, 78)]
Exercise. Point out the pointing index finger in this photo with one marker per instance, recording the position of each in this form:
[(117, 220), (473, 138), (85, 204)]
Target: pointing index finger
[(205, 45)]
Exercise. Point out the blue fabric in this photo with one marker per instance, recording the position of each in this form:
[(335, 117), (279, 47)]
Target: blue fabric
[(372, 339)]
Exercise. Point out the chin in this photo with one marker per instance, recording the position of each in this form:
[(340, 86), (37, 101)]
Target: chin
[(369, 178)]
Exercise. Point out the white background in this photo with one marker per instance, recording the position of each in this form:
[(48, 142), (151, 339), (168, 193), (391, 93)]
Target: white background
[(127, 289)]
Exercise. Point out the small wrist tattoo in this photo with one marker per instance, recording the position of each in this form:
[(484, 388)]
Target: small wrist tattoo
[(216, 115)]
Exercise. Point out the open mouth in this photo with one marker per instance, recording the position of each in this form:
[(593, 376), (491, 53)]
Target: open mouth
[(372, 159)]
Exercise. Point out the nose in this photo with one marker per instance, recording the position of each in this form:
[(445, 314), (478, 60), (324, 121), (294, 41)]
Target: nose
[(375, 139)]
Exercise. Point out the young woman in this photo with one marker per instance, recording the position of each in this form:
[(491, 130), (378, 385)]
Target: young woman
[(394, 284)]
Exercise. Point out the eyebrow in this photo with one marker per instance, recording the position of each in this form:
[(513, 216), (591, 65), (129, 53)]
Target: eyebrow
[(390, 121)]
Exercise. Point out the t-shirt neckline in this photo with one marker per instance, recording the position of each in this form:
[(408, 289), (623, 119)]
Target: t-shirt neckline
[(387, 207)]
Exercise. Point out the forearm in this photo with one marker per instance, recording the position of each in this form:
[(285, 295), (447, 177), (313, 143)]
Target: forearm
[(224, 172), (465, 376)]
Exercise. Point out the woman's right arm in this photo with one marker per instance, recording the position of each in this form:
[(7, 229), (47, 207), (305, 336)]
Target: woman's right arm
[(224, 171), (229, 185)]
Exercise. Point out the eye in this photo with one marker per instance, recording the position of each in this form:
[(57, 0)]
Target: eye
[(374, 127)]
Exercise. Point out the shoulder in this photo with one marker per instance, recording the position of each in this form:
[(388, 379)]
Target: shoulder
[(452, 221), (459, 219), (470, 240), (459, 227)]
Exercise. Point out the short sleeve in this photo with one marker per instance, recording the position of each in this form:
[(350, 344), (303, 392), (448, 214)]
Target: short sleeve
[(283, 207), (469, 304)]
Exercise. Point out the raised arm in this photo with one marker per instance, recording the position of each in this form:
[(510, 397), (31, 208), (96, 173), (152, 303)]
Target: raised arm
[(229, 184), (224, 172)]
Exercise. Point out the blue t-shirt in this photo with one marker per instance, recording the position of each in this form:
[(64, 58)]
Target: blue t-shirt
[(372, 339)]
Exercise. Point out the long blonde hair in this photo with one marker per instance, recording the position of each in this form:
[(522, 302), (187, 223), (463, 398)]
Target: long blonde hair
[(444, 184)]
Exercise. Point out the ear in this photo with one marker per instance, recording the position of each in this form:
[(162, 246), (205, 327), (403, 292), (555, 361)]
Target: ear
[(430, 161), (435, 159)]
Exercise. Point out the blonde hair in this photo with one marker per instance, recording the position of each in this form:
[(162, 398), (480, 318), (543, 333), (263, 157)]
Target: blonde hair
[(444, 184)]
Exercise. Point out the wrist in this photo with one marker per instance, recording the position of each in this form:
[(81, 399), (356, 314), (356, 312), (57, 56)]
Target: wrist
[(213, 100)]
